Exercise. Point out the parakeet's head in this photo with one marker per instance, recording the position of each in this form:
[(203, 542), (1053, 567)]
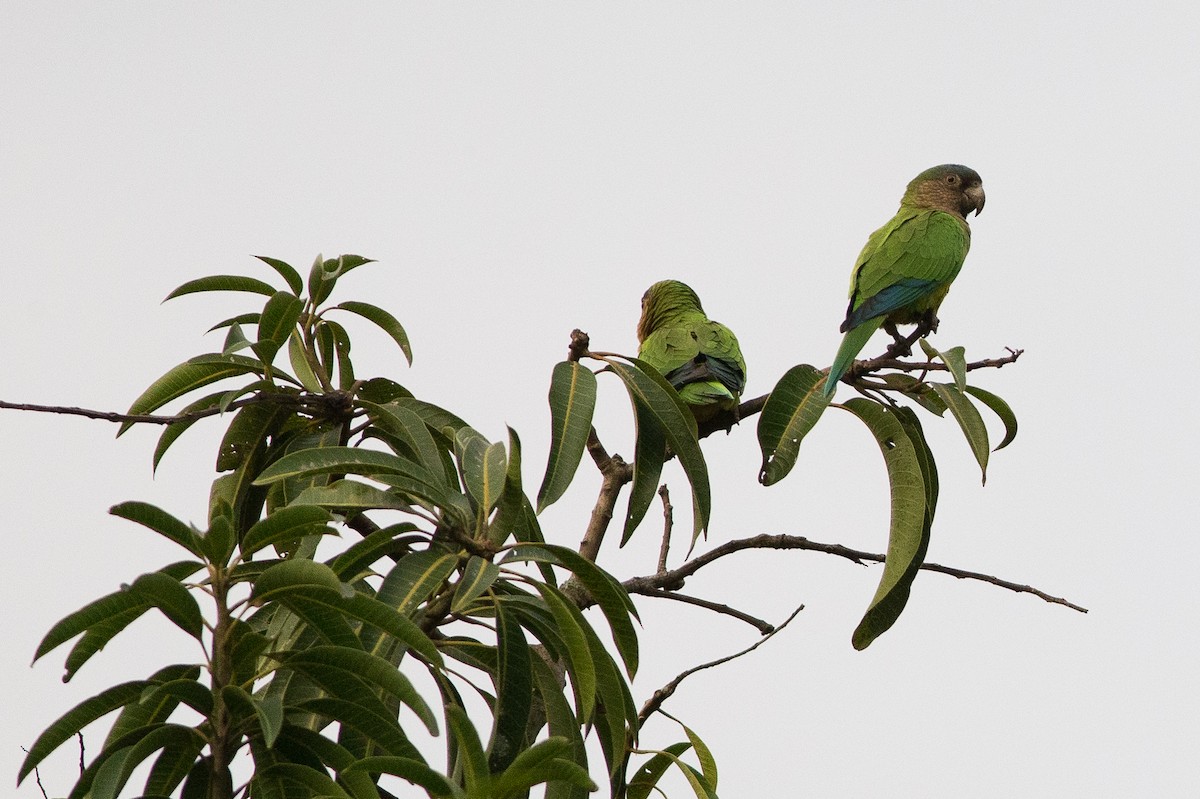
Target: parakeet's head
[(952, 188), (664, 300)]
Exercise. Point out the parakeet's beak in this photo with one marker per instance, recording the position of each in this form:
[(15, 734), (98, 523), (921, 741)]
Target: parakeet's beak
[(977, 197)]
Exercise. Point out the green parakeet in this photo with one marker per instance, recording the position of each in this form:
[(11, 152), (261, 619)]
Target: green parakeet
[(906, 267), (698, 356)]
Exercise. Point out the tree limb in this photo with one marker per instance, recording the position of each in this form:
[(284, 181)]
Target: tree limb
[(663, 694), (676, 577)]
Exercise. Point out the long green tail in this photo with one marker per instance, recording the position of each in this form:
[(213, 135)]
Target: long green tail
[(852, 344)]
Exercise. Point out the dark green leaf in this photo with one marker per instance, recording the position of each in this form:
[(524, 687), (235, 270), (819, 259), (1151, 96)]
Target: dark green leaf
[(160, 522), (267, 711), (514, 690), (570, 622), (907, 536), (188, 376), (388, 323), (792, 409), (317, 783), (511, 517), (340, 460), (376, 727), (955, 360), (650, 772), (472, 758), (172, 598), (968, 418), (286, 271), (174, 430), (413, 771), (1001, 409), (609, 594), (572, 402), (478, 576), (651, 449), (645, 384), (300, 364), (278, 320), (223, 283), (298, 577), (78, 717), (286, 524)]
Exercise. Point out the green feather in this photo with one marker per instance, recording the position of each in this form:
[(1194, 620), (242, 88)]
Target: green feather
[(852, 344), (699, 357)]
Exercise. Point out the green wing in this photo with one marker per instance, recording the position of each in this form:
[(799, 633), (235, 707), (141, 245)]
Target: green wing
[(907, 266), (700, 358)]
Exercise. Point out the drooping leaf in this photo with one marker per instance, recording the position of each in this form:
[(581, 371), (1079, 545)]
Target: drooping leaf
[(405, 425), (955, 360), (907, 534), (514, 690), (351, 495), (511, 517), (570, 622), (316, 783), (172, 598), (413, 771), (174, 430), (545, 761), (340, 460), (286, 524), (609, 594), (286, 271), (386, 322), (160, 522), (649, 773), (644, 383), (651, 448), (572, 402), (188, 376), (301, 366), (470, 752), (968, 418), (1001, 409), (792, 409), (78, 717), (223, 283), (268, 711)]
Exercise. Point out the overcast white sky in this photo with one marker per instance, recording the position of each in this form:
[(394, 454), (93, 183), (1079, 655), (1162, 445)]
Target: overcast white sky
[(523, 169)]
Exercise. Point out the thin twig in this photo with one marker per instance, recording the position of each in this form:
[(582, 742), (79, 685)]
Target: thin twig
[(668, 523), (336, 402), (663, 694), (675, 577), (725, 610)]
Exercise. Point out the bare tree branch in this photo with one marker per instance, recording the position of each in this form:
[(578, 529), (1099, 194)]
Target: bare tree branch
[(663, 694), (762, 626), (668, 523), (676, 577), (336, 403)]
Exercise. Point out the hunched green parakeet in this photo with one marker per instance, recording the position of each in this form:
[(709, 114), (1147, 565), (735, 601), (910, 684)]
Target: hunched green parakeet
[(698, 356), (907, 265)]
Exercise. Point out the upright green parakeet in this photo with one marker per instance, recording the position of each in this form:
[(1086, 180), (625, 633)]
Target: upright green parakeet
[(698, 356), (906, 267)]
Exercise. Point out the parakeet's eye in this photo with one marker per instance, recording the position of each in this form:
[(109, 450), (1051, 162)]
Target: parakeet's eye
[(952, 180)]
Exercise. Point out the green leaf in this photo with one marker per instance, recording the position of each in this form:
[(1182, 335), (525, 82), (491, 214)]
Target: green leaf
[(367, 667), (511, 517), (955, 360), (267, 712), (325, 273), (907, 535), (968, 418), (340, 460), (650, 772), (248, 434), (651, 448), (483, 466), (792, 409), (235, 340), (341, 346), (415, 578), (404, 424), (223, 283), (278, 320), (388, 323), (470, 751), (77, 718), (645, 384), (609, 594), (173, 764), (286, 271), (317, 783), (572, 402), (159, 701), (542, 762), (286, 524), (1001, 409), (373, 725), (169, 595), (393, 622), (381, 390), (160, 522), (300, 365), (478, 576), (413, 771), (297, 577), (174, 430), (350, 495), (708, 763), (514, 690), (188, 376), (570, 622)]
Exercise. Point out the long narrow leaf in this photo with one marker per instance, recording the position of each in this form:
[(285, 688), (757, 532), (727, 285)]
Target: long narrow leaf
[(792, 409), (1001, 409), (223, 283), (906, 530), (386, 322), (968, 418), (572, 403)]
